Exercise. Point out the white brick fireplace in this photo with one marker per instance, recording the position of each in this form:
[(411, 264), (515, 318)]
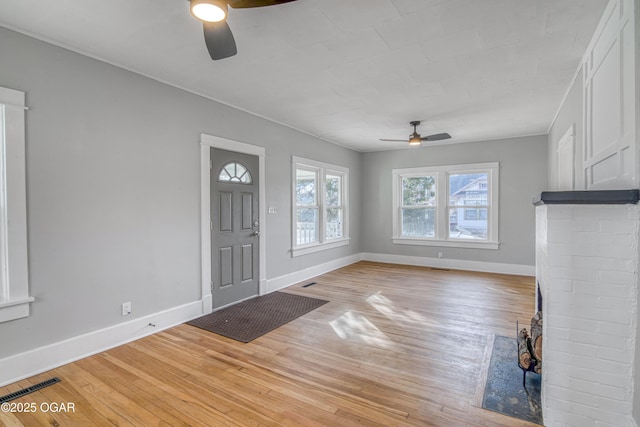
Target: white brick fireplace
[(587, 271)]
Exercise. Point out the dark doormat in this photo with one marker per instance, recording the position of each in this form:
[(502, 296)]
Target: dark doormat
[(252, 318), (504, 392)]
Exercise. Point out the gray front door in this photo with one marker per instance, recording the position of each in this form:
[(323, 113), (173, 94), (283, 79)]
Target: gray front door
[(235, 228)]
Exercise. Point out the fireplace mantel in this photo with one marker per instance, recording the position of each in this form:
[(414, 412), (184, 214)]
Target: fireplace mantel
[(600, 197)]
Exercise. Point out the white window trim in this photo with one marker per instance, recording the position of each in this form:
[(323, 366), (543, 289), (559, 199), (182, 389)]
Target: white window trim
[(14, 274), (323, 169), (442, 191)]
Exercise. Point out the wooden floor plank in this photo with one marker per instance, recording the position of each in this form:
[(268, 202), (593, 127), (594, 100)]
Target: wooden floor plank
[(396, 345)]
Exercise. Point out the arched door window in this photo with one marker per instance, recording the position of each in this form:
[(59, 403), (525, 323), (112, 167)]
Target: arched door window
[(235, 172)]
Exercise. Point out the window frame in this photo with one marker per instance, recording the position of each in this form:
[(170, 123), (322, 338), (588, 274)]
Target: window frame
[(321, 170), (14, 276), (442, 173)]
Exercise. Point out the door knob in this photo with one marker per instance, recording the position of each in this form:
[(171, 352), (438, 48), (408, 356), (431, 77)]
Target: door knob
[(256, 233)]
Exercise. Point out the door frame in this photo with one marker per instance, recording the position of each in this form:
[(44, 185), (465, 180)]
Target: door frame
[(207, 142)]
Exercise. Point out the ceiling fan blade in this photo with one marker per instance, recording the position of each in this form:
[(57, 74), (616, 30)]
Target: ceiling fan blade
[(219, 40), (395, 140), (243, 4), (436, 137)]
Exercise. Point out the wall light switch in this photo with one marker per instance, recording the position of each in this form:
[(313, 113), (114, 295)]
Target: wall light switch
[(272, 210)]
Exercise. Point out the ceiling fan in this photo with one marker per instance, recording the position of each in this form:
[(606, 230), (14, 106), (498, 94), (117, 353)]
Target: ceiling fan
[(213, 14), (416, 139)]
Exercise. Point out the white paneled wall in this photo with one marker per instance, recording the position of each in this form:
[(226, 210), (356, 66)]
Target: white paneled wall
[(609, 83), (586, 265)]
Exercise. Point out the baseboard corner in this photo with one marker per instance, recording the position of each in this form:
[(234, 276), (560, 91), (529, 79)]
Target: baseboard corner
[(286, 280)]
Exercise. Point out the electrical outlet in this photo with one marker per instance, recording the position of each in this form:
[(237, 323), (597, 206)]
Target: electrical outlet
[(126, 308), (440, 255)]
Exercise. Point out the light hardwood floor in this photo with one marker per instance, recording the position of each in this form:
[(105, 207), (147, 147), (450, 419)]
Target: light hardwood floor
[(395, 346)]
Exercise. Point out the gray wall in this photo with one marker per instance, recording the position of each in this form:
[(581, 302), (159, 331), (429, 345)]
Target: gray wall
[(570, 113), (523, 174), (113, 190)]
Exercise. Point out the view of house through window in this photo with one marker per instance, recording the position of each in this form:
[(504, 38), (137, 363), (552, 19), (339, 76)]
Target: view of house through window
[(468, 190), (454, 205), (320, 194)]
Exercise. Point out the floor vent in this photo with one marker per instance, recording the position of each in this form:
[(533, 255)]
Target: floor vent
[(309, 284), (439, 269), (28, 390)]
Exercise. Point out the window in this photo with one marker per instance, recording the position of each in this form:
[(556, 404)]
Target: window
[(320, 206), (235, 172), (468, 189), (418, 206), (455, 205), (14, 283), (307, 206), (334, 208)]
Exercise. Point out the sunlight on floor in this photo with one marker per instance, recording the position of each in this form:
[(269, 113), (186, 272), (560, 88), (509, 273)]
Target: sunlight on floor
[(356, 327), (385, 306), (503, 291)]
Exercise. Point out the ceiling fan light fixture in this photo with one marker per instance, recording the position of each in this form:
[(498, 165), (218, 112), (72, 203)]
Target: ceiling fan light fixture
[(209, 10), (415, 138)]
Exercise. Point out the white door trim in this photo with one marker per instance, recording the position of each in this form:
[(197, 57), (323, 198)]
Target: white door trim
[(206, 143)]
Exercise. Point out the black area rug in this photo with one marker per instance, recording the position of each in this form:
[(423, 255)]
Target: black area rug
[(503, 392), (250, 319)]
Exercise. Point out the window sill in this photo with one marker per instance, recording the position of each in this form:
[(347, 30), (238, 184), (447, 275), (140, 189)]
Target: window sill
[(305, 250), (16, 309), (477, 244)]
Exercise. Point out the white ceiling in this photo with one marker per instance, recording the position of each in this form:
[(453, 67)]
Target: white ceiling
[(347, 71)]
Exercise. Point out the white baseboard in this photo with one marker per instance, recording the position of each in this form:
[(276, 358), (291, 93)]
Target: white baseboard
[(454, 264), (298, 276), (36, 361)]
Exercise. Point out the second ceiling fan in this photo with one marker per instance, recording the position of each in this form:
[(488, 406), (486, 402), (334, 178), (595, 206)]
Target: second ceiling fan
[(416, 139), (213, 14)]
